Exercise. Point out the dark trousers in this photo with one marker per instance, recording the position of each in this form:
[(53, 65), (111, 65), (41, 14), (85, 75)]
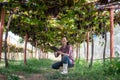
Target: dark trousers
[(65, 60)]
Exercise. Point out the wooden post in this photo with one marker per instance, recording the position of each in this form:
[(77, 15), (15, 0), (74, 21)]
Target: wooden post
[(1, 29), (111, 32), (26, 39), (0, 41), (87, 46), (36, 43), (77, 51)]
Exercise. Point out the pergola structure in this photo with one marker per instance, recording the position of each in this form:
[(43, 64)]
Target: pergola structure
[(109, 6)]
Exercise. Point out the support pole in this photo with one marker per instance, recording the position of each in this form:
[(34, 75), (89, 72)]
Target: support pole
[(111, 32), (26, 40), (87, 46), (1, 29)]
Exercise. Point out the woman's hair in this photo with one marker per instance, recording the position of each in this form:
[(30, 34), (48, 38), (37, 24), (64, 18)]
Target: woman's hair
[(68, 43), (64, 37)]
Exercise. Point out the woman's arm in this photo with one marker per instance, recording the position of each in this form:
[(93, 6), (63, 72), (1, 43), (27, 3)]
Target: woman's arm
[(62, 53), (68, 52)]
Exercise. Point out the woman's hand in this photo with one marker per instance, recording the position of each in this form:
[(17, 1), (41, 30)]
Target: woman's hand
[(59, 52), (56, 54)]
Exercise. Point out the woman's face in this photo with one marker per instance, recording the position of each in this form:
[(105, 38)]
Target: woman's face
[(64, 41)]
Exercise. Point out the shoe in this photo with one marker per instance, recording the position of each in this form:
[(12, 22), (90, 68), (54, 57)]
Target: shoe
[(65, 69)]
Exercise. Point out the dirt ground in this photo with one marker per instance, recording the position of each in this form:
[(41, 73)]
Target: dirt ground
[(2, 77), (32, 77), (22, 77)]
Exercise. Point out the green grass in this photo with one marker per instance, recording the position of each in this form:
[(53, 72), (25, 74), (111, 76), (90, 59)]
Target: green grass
[(33, 66), (81, 71)]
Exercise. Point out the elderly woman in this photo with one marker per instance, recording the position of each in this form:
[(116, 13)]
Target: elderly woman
[(66, 53)]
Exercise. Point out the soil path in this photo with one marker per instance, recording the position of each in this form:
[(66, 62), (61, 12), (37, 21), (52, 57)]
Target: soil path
[(22, 77), (32, 77)]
